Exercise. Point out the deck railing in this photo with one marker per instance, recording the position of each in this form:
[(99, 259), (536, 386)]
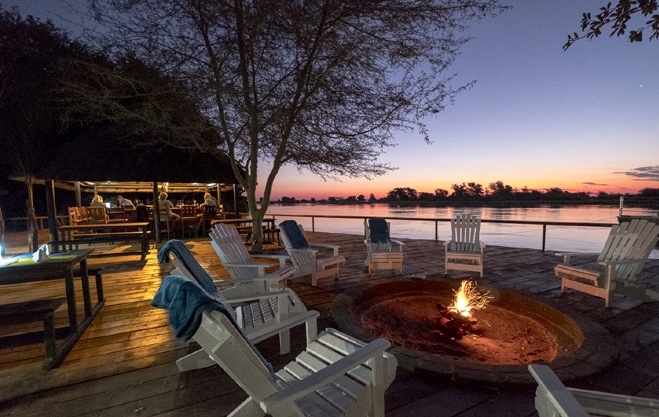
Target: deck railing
[(436, 221), (14, 224)]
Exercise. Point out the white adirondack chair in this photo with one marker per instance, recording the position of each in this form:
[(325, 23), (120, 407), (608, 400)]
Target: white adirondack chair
[(336, 375), (305, 257), (259, 315), (625, 251), (381, 251), (553, 399), (464, 252), (241, 265)]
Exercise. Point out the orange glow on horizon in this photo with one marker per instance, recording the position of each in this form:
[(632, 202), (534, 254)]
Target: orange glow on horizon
[(380, 189)]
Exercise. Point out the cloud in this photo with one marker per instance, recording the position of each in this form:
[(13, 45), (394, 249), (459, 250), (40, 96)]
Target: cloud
[(594, 183), (650, 173)]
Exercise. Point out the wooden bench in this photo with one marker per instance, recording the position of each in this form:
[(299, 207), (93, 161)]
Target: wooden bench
[(105, 237), (37, 310)]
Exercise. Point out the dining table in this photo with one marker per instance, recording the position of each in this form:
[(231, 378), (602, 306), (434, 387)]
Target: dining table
[(65, 266), (270, 230)]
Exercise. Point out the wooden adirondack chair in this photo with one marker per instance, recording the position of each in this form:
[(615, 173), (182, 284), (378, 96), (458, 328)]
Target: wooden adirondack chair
[(336, 375), (305, 257), (553, 399), (625, 251), (381, 251), (259, 315), (464, 252), (241, 265)]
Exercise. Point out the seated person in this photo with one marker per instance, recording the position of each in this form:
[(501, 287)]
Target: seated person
[(209, 200), (124, 202), (97, 201), (165, 207)]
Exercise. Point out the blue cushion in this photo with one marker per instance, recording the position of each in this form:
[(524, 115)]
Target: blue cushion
[(379, 231), (295, 235)]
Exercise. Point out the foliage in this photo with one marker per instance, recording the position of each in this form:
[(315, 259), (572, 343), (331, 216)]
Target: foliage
[(402, 194), (618, 16), (31, 56), (125, 91), (320, 84)]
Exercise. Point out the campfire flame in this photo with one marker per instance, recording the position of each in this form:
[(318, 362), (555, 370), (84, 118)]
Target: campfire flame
[(468, 298)]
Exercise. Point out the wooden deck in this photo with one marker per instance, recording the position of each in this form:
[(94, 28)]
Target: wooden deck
[(124, 363)]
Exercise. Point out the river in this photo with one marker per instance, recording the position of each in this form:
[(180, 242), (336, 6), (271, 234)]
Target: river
[(559, 238)]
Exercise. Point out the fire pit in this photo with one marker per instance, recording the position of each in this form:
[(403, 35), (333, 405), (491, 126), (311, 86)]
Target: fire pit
[(492, 345)]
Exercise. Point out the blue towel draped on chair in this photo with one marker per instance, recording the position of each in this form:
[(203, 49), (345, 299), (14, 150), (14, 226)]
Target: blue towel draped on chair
[(182, 252), (185, 303), (295, 235)]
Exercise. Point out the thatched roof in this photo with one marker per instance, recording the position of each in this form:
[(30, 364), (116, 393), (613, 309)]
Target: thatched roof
[(106, 154)]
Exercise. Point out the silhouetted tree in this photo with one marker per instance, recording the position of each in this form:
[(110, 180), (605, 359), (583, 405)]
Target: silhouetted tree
[(474, 189), (500, 190), (618, 16), (402, 194), (441, 193), (320, 84), (459, 190), (423, 196), (649, 192), (31, 65)]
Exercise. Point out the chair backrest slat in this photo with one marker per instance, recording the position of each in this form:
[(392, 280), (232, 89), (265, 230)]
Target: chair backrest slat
[(645, 235), (465, 233), (228, 347), (231, 249)]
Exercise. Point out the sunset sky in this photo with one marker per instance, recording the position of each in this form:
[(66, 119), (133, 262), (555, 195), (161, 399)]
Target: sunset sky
[(585, 119)]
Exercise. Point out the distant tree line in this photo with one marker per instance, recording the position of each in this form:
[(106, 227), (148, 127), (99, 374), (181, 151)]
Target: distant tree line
[(497, 193)]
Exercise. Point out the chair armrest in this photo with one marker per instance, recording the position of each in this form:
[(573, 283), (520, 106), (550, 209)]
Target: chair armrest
[(335, 248), (622, 262), (317, 380), (281, 258), (604, 403), (567, 255), (283, 272), (241, 300), (289, 323), (269, 277)]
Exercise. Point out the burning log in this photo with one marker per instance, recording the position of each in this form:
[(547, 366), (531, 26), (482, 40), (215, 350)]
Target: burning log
[(456, 320), (453, 324)]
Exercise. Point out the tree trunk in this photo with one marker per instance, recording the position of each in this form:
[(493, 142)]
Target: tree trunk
[(257, 222), (2, 233), (32, 229)]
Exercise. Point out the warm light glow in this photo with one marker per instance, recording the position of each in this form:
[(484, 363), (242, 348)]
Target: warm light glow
[(468, 298)]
